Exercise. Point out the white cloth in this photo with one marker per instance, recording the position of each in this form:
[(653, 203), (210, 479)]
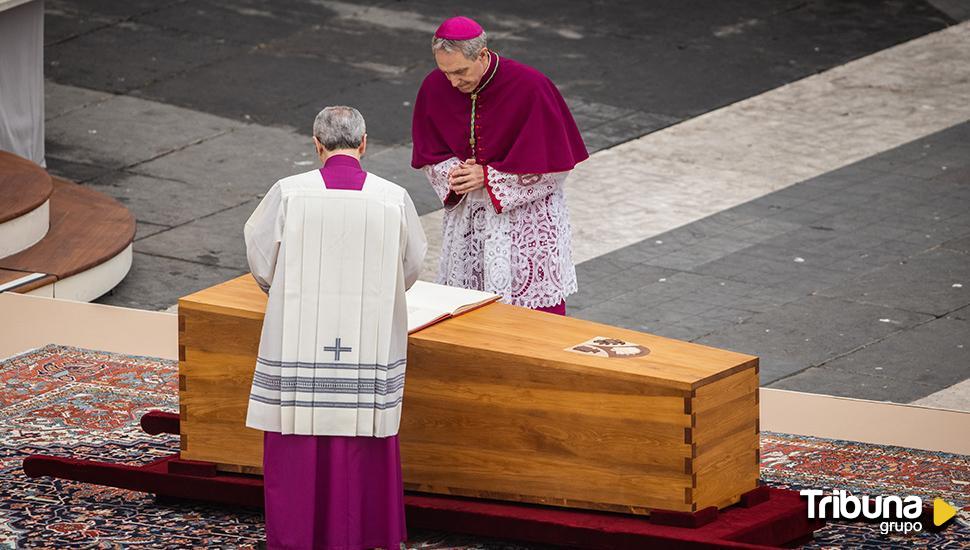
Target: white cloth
[(522, 252), (336, 264), (22, 81)]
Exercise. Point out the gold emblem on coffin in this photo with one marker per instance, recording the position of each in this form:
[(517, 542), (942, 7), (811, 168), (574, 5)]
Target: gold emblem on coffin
[(611, 348)]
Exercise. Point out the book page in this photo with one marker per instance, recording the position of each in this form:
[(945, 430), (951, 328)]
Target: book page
[(430, 302), (419, 318)]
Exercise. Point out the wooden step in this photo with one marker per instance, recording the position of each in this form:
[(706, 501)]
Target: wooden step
[(24, 191), (24, 282), (87, 230), (25, 186)]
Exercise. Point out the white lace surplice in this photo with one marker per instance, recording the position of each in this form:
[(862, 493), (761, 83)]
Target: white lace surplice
[(522, 252)]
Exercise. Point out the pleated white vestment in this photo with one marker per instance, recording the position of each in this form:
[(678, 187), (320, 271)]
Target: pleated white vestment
[(336, 264)]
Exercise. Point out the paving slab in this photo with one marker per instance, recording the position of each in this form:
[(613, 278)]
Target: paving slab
[(828, 381), (809, 332), (611, 285), (78, 172), (692, 305), (385, 103), (954, 398), (215, 240), (590, 113), (935, 354), (146, 229), (242, 163), (960, 245), (245, 162), (141, 195), (155, 282), (60, 100), (160, 54), (963, 314), (68, 19), (348, 38), (273, 85), (622, 129), (247, 23), (123, 131), (110, 8), (61, 25), (935, 282)]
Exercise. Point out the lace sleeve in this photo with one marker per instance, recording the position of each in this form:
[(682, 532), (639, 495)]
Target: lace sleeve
[(437, 175), (512, 190)]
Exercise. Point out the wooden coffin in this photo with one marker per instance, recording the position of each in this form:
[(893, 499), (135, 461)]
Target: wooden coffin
[(497, 405)]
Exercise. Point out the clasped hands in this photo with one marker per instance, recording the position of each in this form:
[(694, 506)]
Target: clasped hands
[(466, 177)]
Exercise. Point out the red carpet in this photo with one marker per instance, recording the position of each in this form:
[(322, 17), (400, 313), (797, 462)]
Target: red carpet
[(67, 402)]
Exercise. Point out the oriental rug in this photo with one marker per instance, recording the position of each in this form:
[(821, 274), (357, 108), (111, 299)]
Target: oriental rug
[(67, 401)]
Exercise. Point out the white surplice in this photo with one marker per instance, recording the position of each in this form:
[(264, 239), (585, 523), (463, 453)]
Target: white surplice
[(512, 238), (336, 264)]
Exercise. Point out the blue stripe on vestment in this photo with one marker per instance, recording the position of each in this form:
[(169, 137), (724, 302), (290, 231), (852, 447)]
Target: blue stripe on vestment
[(327, 385), (363, 366), (324, 404)]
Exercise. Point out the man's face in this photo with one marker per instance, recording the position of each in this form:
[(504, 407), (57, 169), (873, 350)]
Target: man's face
[(463, 73)]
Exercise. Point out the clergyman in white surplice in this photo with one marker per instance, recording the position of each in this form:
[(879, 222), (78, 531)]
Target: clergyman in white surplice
[(335, 249)]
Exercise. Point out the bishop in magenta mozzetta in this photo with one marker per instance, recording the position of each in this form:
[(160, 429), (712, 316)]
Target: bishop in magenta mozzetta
[(497, 141)]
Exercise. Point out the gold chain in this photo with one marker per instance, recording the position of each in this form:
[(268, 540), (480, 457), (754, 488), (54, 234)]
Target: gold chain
[(471, 139)]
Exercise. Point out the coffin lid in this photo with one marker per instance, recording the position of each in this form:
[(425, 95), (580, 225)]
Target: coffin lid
[(499, 329)]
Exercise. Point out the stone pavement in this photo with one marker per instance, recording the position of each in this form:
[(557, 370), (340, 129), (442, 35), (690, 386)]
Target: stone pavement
[(187, 112), (637, 66), (852, 283), (770, 141), (626, 71)]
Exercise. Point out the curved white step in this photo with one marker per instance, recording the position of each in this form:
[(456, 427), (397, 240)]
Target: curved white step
[(25, 191), (24, 231), (93, 283), (86, 252)]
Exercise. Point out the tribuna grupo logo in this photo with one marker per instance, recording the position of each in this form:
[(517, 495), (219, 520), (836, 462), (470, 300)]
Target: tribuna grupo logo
[(896, 514)]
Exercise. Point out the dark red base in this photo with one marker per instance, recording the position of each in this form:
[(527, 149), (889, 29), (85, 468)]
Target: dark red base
[(780, 520), (764, 518), (165, 476)]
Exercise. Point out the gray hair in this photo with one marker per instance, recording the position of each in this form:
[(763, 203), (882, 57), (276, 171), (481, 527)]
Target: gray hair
[(339, 127), (469, 48)]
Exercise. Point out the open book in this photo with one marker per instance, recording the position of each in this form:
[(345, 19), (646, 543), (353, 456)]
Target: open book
[(429, 303)]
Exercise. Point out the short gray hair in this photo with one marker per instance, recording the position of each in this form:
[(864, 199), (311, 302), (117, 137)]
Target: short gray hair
[(339, 127), (469, 48)]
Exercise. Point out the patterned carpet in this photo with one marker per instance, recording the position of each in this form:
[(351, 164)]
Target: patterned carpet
[(72, 402)]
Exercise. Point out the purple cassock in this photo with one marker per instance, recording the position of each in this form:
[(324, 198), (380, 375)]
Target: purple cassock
[(333, 491), (522, 123)]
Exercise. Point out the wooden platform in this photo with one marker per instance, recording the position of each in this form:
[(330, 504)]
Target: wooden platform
[(25, 186), (87, 229), (8, 277), (495, 407)]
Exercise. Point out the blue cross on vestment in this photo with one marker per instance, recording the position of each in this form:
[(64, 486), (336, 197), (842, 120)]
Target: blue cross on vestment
[(336, 349)]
